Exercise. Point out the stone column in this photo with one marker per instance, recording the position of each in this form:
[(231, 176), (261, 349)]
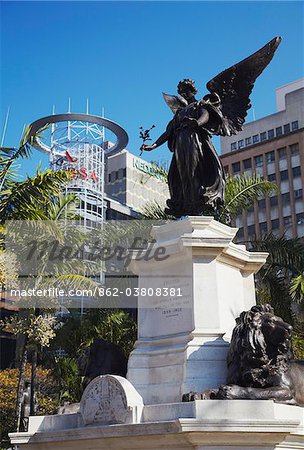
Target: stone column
[(204, 282)]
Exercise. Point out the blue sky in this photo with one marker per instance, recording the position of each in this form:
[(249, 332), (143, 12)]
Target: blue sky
[(122, 55)]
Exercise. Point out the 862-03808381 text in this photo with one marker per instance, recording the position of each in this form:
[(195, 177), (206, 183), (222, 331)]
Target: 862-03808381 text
[(98, 292), (142, 291)]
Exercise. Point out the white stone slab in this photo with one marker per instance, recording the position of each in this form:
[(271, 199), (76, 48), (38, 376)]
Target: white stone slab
[(199, 425), (110, 399)]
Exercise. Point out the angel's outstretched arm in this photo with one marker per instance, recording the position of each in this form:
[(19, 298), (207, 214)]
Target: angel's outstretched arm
[(160, 141)]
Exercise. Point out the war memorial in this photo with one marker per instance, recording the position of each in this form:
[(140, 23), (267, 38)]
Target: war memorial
[(210, 369)]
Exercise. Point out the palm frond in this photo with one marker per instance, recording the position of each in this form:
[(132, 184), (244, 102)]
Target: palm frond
[(242, 191), (154, 211), (23, 200), (71, 281), (277, 287), (8, 158), (63, 207), (297, 288), (285, 254), (8, 155)]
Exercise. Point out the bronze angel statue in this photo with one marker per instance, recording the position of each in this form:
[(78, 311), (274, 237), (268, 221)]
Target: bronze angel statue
[(196, 178)]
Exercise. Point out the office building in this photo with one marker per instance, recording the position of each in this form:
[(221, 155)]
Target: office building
[(272, 147), (134, 182)]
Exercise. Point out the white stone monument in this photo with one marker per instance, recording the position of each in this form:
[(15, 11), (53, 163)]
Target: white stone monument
[(183, 336), (182, 345)]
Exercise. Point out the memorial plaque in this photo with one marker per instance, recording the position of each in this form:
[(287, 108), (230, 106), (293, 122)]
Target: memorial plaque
[(169, 310)]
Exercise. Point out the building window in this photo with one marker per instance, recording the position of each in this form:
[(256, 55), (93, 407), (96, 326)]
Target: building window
[(251, 230), (263, 227), (110, 177), (287, 128), (298, 193), (258, 161), (270, 157), (275, 224), (279, 131), (240, 233), (236, 167), (247, 164), (300, 218), (296, 172), (294, 149), (255, 138), (248, 141), (287, 220), (284, 175), (272, 177), (274, 200), (294, 125), (270, 134), (263, 136), (233, 146), (250, 210), (285, 198), (282, 153), (241, 143), (262, 203)]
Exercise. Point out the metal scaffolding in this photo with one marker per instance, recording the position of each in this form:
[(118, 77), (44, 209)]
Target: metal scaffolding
[(76, 142)]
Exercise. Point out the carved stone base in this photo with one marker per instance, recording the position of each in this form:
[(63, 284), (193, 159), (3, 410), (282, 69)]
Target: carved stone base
[(199, 425)]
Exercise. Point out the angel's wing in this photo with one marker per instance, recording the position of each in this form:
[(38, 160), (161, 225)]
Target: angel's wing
[(234, 86), (175, 102)]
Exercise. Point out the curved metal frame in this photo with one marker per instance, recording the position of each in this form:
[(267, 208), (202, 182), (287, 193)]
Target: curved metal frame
[(83, 136), (35, 127)]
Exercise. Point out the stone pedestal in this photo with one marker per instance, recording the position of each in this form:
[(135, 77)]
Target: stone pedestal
[(187, 307), (199, 425)]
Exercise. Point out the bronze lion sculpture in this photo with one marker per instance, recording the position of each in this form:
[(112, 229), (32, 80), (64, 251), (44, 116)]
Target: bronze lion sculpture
[(260, 361)]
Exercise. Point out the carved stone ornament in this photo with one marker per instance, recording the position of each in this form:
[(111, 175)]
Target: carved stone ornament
[(110, 399)]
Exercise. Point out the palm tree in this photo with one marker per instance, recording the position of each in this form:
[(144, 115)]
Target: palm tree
[(24, 200), (241, 192), (280, 279), (36, 198)]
